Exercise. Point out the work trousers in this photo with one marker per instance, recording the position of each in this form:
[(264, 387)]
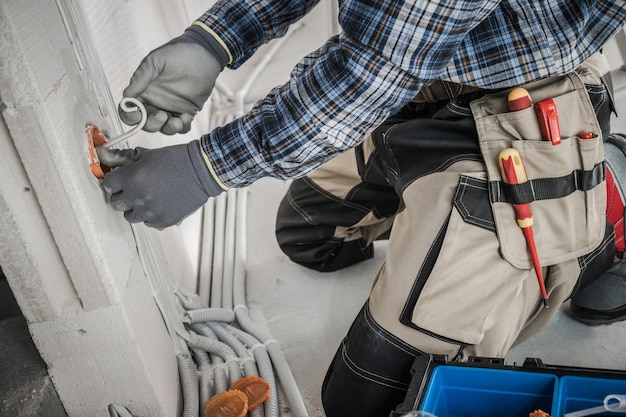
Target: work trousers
[(391, 186)]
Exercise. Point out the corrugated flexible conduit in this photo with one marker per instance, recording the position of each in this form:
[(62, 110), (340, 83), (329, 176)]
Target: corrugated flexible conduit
[(264, 364), (261, 358), (189, 380), (209, 336)]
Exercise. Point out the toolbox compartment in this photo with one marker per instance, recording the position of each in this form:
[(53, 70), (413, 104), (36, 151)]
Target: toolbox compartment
[(486, 387), (579, 393)]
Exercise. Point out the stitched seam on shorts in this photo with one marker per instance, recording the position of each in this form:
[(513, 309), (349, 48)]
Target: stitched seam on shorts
[(597, 90), (443, 166), (584, 261), (369, 375), (457, 109), (465, 183), (393, 340), (323, 192), (302, 213)]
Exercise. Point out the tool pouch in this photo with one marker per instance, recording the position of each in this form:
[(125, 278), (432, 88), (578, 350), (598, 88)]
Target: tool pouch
[(469, 241), (565, 187)]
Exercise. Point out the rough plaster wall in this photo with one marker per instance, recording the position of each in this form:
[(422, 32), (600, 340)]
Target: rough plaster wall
[(70, 259), (95, 322), (123, 33), (21, 219)]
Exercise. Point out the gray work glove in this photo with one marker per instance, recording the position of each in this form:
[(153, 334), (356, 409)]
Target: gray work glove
[(159, 187), (173, 82)]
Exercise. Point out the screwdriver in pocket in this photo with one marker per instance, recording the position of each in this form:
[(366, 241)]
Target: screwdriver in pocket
[(519, 99), (513, 172)]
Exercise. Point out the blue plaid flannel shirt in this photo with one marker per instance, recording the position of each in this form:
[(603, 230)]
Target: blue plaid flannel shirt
[(387, 51)]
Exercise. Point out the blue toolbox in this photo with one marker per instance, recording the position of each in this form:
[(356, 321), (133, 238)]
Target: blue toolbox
[(486, 387)]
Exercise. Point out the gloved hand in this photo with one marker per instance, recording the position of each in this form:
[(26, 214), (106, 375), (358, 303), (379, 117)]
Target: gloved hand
[(159, 187), (173, 81)]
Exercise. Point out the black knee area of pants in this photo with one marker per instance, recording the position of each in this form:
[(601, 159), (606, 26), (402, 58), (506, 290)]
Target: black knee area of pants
[(330, 255), (370, 373), (310, 243)]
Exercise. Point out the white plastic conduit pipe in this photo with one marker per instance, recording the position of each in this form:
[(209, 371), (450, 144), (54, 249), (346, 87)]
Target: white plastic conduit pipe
[(229, 249), (137, 106), (217, 275), (226, 367), (216, 371), (279, 361), (206, 250), (270, 346)]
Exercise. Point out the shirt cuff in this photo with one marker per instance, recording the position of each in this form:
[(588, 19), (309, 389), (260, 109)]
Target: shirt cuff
[(203, 35), (206, 174)]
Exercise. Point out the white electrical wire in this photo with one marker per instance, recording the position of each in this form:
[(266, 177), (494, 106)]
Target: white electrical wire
[(137, 106)]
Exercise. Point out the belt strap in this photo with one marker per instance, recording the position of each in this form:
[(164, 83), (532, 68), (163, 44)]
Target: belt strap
[(443, 91), (547, 188)]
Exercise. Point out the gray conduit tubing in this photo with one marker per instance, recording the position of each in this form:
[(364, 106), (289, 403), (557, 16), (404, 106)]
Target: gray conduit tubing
[(116, 410), (189, 381), (262, 360), (229, 249), (205, 374), (217, 347), (193, 301), (279, 361), (218, 252), (190, 300), (247, 362), (172, 311), (264, 365), (217, 357), (294, 398), (211, 314), (219, 373), (206, 250)]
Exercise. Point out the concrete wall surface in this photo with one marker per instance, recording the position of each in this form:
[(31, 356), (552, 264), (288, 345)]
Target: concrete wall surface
[(92, 288), (71, 261), (25, 387)]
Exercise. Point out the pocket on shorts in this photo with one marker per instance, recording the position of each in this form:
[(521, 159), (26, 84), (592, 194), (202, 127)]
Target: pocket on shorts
[(464, 281)]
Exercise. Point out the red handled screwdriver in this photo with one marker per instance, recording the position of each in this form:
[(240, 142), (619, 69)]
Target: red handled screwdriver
[(513, 172)]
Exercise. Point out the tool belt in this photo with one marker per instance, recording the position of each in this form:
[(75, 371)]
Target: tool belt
[(441, 90), (472, 261)]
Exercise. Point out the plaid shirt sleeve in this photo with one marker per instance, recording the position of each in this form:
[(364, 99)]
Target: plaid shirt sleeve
[(387, 51)]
